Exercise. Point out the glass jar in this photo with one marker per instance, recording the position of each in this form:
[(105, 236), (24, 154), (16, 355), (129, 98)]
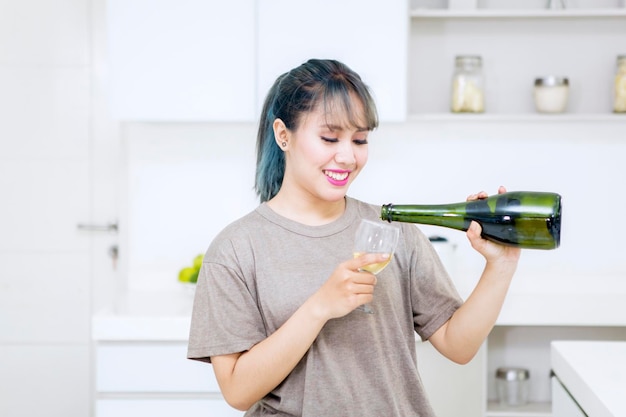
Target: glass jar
[(619, 105), (551, 94), (468, 85)]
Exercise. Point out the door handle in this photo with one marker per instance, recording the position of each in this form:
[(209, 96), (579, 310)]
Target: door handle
[(92, 227)]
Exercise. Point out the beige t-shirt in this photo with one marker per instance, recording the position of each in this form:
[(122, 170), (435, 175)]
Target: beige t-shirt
[(262, 267)]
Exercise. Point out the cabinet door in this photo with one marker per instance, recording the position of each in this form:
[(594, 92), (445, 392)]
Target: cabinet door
[(151, 367), (453, 390), (563, 405), (204, 407), (182, 60), (370, 36)]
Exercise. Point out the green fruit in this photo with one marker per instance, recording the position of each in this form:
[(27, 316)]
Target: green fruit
[(188, 274), (197, 261)]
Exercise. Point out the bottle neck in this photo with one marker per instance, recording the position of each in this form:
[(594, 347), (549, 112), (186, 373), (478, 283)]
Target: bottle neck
[(448, 215)]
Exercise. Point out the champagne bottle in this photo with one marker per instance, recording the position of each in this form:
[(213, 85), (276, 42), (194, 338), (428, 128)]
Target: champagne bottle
[(525, 219)]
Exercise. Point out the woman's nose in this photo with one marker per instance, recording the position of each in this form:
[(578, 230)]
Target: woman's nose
[(345, 155)]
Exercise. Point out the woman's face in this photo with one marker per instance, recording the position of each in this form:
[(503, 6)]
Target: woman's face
[(324, 155)]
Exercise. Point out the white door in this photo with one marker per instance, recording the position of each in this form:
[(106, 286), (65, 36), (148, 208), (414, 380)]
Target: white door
[(49, 183)]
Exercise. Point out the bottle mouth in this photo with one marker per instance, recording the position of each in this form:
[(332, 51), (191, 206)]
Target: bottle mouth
[(385, 212)]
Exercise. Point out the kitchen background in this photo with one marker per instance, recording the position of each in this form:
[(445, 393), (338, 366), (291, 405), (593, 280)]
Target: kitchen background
[(138, 117)]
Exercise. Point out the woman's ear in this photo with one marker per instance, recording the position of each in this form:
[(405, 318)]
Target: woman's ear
[(281, 134)]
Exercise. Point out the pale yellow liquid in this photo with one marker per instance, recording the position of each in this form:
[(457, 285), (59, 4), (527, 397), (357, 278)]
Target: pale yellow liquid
[(374, 268)]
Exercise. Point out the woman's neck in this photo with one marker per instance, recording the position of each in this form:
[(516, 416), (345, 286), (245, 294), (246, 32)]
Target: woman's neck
[(310, 213)]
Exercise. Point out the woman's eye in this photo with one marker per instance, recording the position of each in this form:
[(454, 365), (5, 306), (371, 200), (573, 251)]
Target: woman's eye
[(360, 141), (330, 140)]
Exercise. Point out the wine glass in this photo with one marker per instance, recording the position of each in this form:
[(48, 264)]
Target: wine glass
[(375, 237)]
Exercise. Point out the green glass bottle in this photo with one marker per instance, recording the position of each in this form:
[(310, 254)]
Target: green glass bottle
[(526, 219)]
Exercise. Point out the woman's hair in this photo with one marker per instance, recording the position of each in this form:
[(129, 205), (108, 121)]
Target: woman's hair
[(317, 82)]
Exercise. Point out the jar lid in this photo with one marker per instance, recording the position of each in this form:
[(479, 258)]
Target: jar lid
[(512, 374), (476, 58), (551, 81)]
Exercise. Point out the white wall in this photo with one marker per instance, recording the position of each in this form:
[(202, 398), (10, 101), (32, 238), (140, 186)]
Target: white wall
[(185, 182), (188, 181), (45, 92)]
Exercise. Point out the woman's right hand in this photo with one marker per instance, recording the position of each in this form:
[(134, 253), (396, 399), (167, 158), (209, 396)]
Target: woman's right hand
[(348, 287)]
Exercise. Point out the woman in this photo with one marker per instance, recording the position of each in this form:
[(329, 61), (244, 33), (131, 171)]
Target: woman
[(275, 303)]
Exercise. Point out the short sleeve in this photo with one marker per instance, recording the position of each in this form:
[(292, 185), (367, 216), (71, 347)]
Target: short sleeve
[(433, 295), (225, 317)]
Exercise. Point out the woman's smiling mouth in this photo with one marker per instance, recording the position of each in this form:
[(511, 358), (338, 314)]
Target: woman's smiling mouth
[(337, 177)]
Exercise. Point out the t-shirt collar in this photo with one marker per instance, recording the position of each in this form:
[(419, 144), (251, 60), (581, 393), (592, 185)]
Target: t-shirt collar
[(343, 222)]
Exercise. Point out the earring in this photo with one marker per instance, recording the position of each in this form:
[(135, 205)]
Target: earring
[(284, 144)]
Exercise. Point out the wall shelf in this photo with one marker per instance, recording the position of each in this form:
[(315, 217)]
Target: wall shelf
[(515, 13), (518, 45), (529, 43), (517, 118), (494, 409)]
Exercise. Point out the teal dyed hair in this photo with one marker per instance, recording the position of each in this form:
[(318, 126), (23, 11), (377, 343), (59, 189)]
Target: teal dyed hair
[(317, 82)]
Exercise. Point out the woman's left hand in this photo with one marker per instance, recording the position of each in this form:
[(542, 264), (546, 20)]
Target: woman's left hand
[(490, 250)]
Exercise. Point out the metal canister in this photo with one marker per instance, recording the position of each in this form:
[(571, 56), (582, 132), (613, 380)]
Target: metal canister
[(551, 94), (512, 386)]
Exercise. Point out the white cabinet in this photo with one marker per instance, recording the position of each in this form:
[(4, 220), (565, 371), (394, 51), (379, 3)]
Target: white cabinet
[(593, 375), (563, 405), (453, 390), (211, 60), (369, 36), (589, 376), (155, 378), (473, 386), (189, 60), (160, 407), (530, 347), (151, 367), (140, 347)]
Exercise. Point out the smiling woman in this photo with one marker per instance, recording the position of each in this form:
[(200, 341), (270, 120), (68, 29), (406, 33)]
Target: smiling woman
[(275, 309)]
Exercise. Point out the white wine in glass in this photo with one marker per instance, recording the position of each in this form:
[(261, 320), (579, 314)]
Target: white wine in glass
[(375, 237), (374, 268)]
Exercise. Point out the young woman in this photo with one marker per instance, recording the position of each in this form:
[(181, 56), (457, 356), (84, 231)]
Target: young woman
[(275, 302)]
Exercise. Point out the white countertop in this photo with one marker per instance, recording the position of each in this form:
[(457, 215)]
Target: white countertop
[(146, 315), (165, 315), (563, 309), (535, 300), (594, 373)]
